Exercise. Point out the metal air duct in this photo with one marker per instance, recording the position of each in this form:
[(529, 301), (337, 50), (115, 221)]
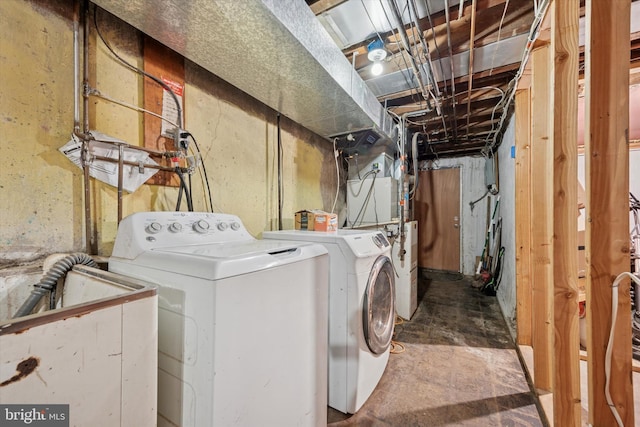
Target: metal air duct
[(274, 50)]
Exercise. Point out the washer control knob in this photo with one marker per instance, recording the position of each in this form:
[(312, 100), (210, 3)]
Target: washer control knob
[(222, 226), (154, 228), (201, 226), (175, 227), (235, 226)]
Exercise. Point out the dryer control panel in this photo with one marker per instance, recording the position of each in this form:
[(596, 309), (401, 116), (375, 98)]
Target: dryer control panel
[(145, 231), (367, 243)]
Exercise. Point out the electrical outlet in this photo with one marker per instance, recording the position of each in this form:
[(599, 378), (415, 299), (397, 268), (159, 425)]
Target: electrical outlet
[(181, 139)]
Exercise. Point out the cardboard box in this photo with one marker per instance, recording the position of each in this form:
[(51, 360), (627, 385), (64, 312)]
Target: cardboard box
[(304, 220), (324, 221), (316, 220)]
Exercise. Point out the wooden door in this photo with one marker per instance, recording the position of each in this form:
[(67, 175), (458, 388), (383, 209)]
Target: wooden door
[(437, 206)]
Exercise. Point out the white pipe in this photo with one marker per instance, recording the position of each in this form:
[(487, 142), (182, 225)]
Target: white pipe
[(335, 158), (533, 34), (609, 352), (453, 77), (402, 136), (407, 47), (414, 156), (425, 47)]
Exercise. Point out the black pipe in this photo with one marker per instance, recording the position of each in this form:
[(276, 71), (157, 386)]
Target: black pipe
[(187, 193)]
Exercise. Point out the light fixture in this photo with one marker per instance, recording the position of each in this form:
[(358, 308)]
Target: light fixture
[(376, 54), (376, 68), (376, 51)]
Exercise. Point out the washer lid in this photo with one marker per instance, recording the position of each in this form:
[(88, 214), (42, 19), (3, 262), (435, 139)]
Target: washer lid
[(362, 243), (216, 261)]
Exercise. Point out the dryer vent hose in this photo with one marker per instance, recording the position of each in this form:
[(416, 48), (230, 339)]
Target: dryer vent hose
[(47, 285)]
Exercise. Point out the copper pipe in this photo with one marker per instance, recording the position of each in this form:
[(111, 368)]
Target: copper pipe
[(120, 179), (146, 150), (89, 243), (130, 163)]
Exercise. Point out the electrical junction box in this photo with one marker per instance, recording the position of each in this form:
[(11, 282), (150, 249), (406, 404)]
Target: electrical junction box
[(359, 165), (372, 201)]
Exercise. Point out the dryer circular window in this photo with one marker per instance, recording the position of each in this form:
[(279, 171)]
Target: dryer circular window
[(379, 306)]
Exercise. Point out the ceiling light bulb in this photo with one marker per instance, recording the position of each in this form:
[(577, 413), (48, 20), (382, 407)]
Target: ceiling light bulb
[(376, 68)]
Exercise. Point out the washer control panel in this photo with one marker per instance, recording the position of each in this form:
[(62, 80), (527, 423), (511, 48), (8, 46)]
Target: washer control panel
[(152, 230)]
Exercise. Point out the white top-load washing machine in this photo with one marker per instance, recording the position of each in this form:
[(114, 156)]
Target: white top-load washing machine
[(361, 310), (242, 323)]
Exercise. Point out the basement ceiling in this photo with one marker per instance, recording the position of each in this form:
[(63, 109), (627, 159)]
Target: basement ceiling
[(450, 69), (480, 42)]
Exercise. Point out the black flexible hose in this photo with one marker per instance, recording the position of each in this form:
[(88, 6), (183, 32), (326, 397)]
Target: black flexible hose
[(187, 193), (50, 280), (179, 201)]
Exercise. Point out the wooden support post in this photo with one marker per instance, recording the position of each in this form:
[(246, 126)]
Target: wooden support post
[(566, 369), (523, 215), (542, 219), (607, 208)]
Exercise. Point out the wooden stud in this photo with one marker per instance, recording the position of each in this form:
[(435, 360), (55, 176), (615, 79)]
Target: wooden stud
[(566, 369), (542, 219), (523, 215), (607, 188)]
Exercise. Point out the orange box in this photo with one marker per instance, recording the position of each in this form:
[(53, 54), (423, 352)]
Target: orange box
[(324, 221)]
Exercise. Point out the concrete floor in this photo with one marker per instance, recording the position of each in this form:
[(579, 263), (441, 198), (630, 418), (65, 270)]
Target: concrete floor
[(459, 366)]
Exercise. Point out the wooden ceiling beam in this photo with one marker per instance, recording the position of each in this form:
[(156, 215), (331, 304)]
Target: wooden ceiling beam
[(488, 79), (321, 6), (517, 21), (431, 151), (437, 133), (479, 108)]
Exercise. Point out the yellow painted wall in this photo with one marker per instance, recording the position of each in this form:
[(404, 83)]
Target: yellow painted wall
[(41, 192), (39, 189)]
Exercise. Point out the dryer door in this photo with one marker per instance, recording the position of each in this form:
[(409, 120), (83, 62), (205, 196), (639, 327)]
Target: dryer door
[(379, 306)]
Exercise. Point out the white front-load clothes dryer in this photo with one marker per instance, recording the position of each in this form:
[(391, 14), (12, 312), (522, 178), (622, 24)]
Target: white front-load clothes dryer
[(361, 310), (242, 323)]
